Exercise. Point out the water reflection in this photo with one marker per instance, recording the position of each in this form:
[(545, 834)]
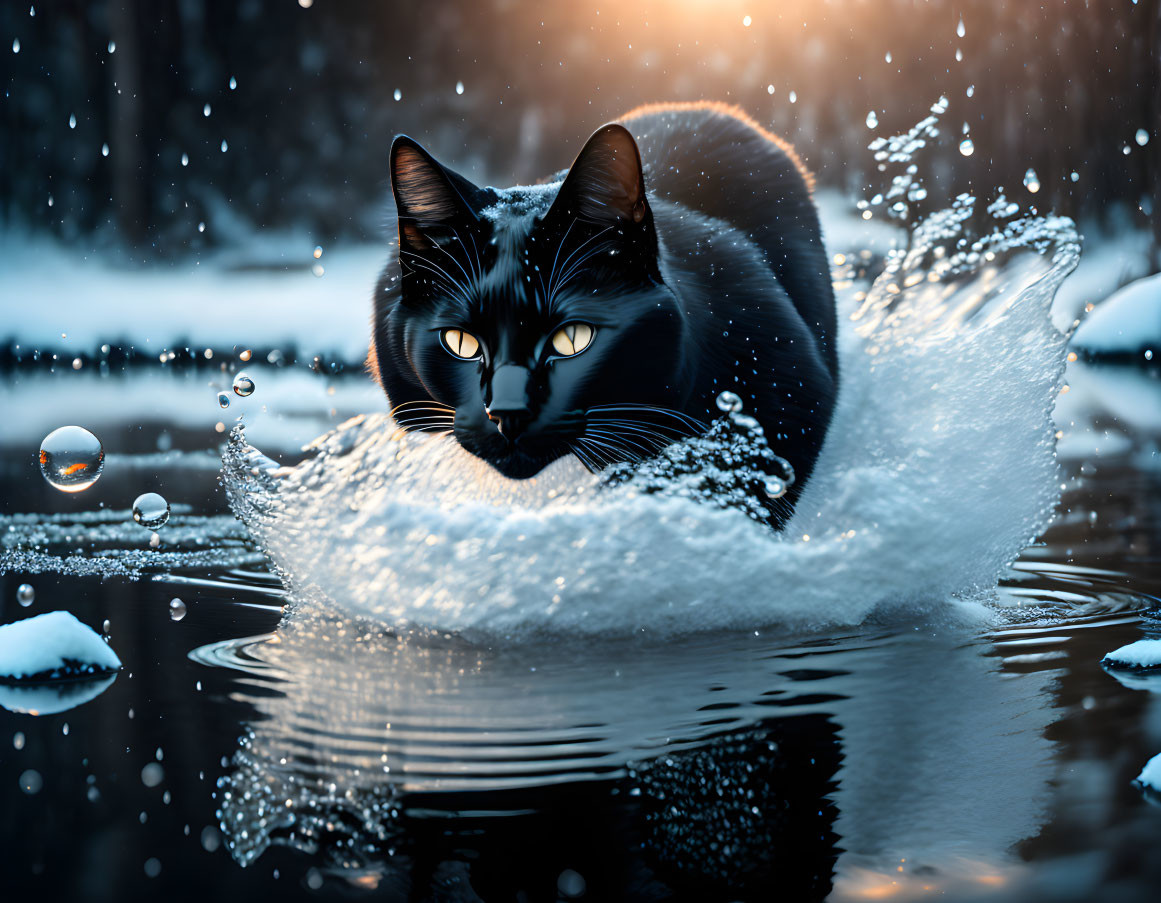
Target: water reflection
[(54, 697), (722, 766)]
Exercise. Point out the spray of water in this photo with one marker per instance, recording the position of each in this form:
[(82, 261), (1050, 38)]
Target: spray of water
[(938, 469)]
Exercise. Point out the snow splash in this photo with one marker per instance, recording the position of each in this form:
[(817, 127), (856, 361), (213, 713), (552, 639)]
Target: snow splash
[(939, 468)]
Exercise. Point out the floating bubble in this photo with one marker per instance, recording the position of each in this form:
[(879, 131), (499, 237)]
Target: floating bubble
[(459, 87), (872, 120), (206, 110), (243, 385), (317, 269), (71, 458), (177, 609), (72, 120), (223, 400), (971, 90), (398, 94), (185, 159), (1031, 180), (107, 627), (150, 510), (1142, 137), (966, 147), (729, 402), (25, 594), (225, 146), (233, 83), (318, 252)]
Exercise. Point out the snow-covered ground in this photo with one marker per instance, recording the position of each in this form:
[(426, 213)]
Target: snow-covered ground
[(263, 290), (52, 646)]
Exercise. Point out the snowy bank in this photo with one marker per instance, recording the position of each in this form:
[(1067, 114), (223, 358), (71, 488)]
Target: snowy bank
[(1139, 655), (1128, 322), (53, 646)]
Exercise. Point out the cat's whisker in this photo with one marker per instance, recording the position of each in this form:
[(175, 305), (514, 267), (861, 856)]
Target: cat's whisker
[(692, 422), (625, 441), (667, 433), (556, 257)]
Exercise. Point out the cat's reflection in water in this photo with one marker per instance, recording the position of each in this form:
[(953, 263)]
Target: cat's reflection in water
[(710, 768)]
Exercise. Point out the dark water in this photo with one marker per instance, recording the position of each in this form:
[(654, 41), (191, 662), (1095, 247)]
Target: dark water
[(237, 759)]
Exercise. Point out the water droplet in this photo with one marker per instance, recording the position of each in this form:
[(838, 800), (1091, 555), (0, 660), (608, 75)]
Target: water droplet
[(71, 458), (16, 45), (77, 363), (150, 510), (775, 489), (1031, 180), (398, 94), (25, 594), (459, 87), (206, 110), (966, 147), (318, 252), (152, 774), (317, 269), (958, 55), (223, 400), (971, 90), (769, 89), (245, 354), (729, 402), (306, 4), (154, 541), (1074, 176), (107, 627), (233, 83), (959, 29), (872, 120), (176, 609), (18, 740), (1142, 137), (31, 782), (105, 149), (225, 146), (72, 120), (112, 47), (747, 21), (243, 385), (887, 56), (794, 97), (201, 227), (153, 864), (185, 159)]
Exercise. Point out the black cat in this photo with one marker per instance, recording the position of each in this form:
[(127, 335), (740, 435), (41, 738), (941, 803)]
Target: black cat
[(602, 314)]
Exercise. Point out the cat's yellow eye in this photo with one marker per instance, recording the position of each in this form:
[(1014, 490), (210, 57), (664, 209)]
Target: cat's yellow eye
[(572, 339), (461, 344)]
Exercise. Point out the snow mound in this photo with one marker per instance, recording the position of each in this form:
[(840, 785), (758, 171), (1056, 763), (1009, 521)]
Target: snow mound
[(1150, 776), (1128, 322), (53, 646), (1137, 656)]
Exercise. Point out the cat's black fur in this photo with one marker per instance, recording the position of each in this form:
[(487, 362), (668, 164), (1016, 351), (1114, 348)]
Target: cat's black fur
[(695, 253)]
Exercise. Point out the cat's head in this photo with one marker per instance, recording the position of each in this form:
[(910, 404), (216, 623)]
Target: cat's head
[(532, 322)]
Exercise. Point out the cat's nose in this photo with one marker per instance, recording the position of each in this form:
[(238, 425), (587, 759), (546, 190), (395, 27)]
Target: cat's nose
[(510, 421), (508, 407)]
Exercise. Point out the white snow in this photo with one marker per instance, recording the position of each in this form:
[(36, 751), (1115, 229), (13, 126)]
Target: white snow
[(1128, 321), (48, 643), (1150, 776), (1141, 654)]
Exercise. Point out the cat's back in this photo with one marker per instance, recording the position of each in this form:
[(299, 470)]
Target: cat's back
[(715, 159)]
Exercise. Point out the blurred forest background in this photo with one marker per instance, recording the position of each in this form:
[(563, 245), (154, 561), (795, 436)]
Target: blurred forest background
[(129, 122)]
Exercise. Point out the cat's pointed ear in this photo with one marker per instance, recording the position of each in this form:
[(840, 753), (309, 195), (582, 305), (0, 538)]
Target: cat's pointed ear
[(605, 184), (428, 194)]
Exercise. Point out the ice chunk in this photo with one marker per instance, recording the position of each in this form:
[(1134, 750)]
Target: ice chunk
[(53, 646), (1128, 322), (1139, 655)]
